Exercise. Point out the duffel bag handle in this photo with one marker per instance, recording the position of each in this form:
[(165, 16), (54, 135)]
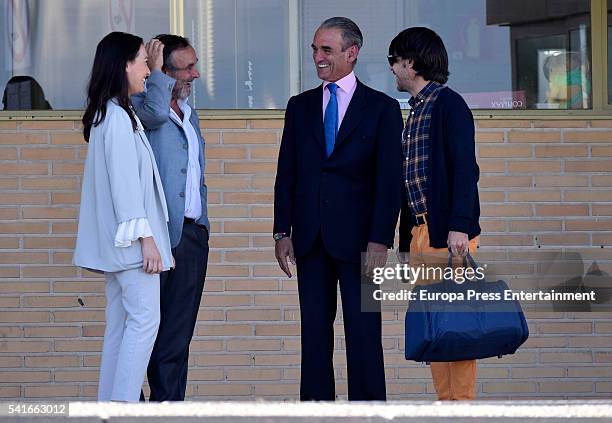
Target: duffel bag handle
[(467, 259)]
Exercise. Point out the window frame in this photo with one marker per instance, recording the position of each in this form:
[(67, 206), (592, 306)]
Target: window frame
[(599, 84)]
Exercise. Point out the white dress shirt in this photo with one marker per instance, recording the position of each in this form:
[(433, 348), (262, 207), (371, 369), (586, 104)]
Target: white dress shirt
[(193, 204)]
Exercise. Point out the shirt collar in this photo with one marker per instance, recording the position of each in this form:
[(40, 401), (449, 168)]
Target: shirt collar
[(184, 106), (346, 83), (424, 93)]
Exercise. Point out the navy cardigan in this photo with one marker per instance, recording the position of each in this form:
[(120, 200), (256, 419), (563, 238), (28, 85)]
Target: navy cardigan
[(452, 175)]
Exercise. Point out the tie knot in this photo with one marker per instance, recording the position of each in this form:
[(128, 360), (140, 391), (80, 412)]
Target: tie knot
[(332, 88)]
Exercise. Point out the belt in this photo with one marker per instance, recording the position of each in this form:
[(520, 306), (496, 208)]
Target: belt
[(420, 219), (188, 220)]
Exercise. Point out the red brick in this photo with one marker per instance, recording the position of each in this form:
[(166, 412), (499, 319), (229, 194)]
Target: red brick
[(49, 213), (504, 151), (502, 123), (11, 362), (8, 243), (68, 169), (561, 181), (535, 166), (505, 181), (24, 168), (250, 167), (253, 314), (48, 271), (253, 374), (67, 138), (253, 137), (587, 136), (534, 136), (213, 123), (267, 124), (80, 345), (49, 183), (534, 195), (489, 136), (248, 198), (25, 377), (226, 152), (567, 151), (560, 124), (592, 224), (24, 198), (47, 124), (562, 210), (8, 183), (48, 153), (591, 195), (588, 165), (504, 210), (23, 139), (23, 346), (21, 257), (253, 345), (51, 391), (21, 317), (566, 357), (65, 198), (8, 153)]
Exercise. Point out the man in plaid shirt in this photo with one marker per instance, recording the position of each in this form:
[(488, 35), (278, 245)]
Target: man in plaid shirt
[(440, 206)]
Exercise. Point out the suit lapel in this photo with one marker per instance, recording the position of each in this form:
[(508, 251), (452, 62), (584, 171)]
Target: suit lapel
[(156, 176), (354, 114), (316, 112)]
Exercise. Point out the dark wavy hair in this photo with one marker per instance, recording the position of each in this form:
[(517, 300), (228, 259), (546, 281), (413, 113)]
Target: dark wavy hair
[(171, 43), (425, 49), (108, 78)]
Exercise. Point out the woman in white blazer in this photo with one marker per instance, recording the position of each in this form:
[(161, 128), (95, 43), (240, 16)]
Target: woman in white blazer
[(122, 222)]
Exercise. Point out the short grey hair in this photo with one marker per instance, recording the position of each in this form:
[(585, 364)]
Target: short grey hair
[(351, 34)]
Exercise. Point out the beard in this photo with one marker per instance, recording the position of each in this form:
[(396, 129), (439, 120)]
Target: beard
[(181, 90)]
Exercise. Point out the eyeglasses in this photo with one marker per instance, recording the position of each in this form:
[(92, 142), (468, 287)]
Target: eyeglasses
[(393, 59)]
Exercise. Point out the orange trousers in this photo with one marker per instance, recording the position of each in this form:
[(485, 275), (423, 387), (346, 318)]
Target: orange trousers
[(453, 380)]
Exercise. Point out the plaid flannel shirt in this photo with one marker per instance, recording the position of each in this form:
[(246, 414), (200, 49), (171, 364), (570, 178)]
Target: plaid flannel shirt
[(415, 144)]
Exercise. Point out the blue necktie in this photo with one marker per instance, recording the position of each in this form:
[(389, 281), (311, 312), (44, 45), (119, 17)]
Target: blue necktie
[(330, 122)]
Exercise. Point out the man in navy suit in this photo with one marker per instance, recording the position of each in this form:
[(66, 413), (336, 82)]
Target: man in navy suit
[(338, 194)]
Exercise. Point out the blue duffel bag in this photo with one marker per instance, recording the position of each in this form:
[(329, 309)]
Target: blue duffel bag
[(443, 330)]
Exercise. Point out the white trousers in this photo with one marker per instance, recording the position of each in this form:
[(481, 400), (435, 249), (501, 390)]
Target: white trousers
[(132, 320)]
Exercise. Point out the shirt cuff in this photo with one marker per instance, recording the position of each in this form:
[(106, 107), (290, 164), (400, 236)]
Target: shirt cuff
[(130, 230)]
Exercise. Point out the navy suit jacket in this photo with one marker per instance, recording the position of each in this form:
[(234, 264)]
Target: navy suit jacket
[(354, 196), (452, 175)]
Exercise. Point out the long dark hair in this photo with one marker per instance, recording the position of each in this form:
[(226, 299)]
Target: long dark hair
[(426, 49), (108, 79)]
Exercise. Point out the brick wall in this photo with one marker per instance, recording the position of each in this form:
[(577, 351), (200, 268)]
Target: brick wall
[(544, 183)]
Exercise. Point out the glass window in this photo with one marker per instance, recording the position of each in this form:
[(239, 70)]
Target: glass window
[(519, 54), (243, 47), (47, 47)]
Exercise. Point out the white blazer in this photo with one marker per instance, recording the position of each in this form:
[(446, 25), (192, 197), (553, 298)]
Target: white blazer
[(120, 182)]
